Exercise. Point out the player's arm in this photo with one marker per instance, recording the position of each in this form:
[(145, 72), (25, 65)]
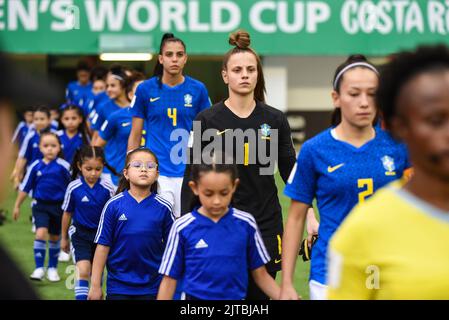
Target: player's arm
[(293, 232), (66, 218), (17, 174), (266, 283), (167, 288), (100, 257), (20, 199), (312, 226), (99, 142), (135, 136)]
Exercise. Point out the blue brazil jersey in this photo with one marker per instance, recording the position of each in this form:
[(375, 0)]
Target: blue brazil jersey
[(213, 258), (47, 181), (92, 103), (339, 176), (115, 130), (86, 203), (165, 109), (77, 94), (103, 111), (136, 234), (70, 145)]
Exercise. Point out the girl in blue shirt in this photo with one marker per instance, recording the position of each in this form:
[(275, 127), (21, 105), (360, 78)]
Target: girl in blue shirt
[(29, 151), (213, 247), (132, 234), (84, 200), (48, 179), (74, 134), (23, 127), (114, 121), (340, 167)]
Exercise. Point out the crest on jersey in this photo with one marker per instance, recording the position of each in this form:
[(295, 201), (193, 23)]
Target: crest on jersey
[(389, 166), (266, 131), (188, 100)]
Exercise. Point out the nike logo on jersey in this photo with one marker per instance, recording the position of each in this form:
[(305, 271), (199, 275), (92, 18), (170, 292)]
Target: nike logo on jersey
[(201, 244), (122, 217), (221, 132), (39, 173), (85, 199), (126, 124), (277, 260), (332, 169), (154, 99)]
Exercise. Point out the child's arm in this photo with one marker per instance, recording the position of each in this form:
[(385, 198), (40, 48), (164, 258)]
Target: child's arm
[(167, 288), (66, 218), (266, 283), (20, 199), (17, 174), (101, 255)]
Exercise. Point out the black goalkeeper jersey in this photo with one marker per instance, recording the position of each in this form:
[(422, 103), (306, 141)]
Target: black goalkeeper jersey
[(263, 135)]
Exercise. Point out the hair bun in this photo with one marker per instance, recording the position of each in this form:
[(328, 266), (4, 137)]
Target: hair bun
[(240, 39), (356, 58)]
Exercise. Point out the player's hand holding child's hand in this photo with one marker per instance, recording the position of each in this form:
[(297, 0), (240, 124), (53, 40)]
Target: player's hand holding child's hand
[(289, 293)]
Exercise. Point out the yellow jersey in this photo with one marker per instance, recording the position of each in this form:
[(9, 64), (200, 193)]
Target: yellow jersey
[(394, 246)]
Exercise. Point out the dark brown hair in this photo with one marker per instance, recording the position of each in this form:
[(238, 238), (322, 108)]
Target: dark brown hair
[(88, 152), (159, 68), (124, 183), (336, 114), (241, 42), (50, 133)]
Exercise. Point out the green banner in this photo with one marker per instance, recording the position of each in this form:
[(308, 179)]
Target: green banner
[(289, 27)]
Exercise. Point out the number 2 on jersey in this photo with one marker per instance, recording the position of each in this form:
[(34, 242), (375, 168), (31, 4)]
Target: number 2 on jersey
[(368, 183), (171, 112)]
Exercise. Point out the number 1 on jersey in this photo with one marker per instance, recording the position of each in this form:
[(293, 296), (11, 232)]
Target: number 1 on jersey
[(171, 112), (368, 183)]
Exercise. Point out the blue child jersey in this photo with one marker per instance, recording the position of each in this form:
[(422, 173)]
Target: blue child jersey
[(86, 203), (115, 130), (339, 176), (20, 133), (103, 111), (136, 234), (70, 145), (76, 93), (213, 258), (90, 105), (30, 146), (47, 181), (165, 109)]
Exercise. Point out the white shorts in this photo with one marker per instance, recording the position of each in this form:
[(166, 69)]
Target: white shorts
[(170, 189), (317, 290)]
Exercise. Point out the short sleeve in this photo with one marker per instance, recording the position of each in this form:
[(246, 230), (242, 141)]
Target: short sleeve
[(69, 202), (172, 264), (108, 128), (29, 182), (204, 101), (257, 253), (138, 104), (107, 225), (301, 185)]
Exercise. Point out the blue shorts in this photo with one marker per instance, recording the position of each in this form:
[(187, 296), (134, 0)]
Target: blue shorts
[(83, 242), (48, 215)]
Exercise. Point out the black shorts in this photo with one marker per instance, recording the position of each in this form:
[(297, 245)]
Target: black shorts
[(48, 215), (83, 245)]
